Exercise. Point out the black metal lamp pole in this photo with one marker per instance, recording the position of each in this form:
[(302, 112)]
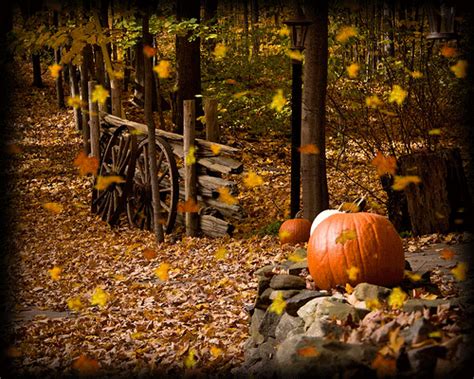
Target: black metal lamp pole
[(299, 28)]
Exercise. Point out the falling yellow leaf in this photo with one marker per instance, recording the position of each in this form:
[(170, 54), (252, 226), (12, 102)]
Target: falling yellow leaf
[(220, 253), (397, 297), (99, 297), (191, 156), (308, 351), (100, 94), (384, 164), (149, 51), (448, 51), (346, 235), (400, 182), (435, 334), (310, 148), (414, 277), (284, 234), (75, 304), (231, 81), (295, 55), (216, 149), (349, 207), (397, 95), (220, 51), (284, 31), (460, 69), (373, 304), (86, 366), (353, 70), (149, 254), (103, 182), (86, 165), (216, 351), (349, 289), (162, 271), (55, 70), (190, 359), (252, 180), (428, 296), (447, 254), (373, 101), (55, 273), (163, 69), (75, 101), (353, 272), (434, 132), (460, 271), (55, 208), (298, 255), (238, 95), (385, 366), (118, 75), (345, 33), (189, 206), (226, 197), (278, 101), (416, 74), (278, 305)]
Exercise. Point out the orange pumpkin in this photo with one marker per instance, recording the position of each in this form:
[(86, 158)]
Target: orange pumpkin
[(294, 231), (355, 248)]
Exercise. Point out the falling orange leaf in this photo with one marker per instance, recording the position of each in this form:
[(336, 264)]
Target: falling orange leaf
[(345, 33), (460, 69), (149, 51), (416, 74), (189, 206), (384, 164), (349, 289), (75, 304), (310, 148), (448, 51), (373, 101), (216, 149), (190, 156), (231, 81), (55, 273), (308, 351), (397, 95), (163, 69), (220, 253), (54, 70), (353, 70), (103, 182), (100, 94), (86, 366), (55, 208), (149, 254), (295, 54), (346, 235), (226, 197), (397, 297), (75, 101), (349, 207), (278, 101), (400, 182), (86, 165), (384, 365), (99, 297), (447, 254), (353, 273), (162, 271), (216, 351)]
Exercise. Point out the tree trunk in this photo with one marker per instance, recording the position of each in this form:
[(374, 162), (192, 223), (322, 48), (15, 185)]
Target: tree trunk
[(85, 97), (254, 22), (57, 60), (74, 85), (37, 81), (210, 11), (313, 166)]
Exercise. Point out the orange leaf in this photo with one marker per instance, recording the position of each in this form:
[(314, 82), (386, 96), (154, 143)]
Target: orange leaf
[(448, 51), (189, 206), (308, 149), (85, 365), (86, 165), (447, 254), (400, 182), (226, 197), (149, 254), (308, 351), (384, 165), (149, 51)]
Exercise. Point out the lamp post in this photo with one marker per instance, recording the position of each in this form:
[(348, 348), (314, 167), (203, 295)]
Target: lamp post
[(299, 28), (441, 20)]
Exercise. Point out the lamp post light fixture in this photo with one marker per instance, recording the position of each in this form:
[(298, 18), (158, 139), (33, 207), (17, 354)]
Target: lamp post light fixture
[(441, 20), (299, 28)]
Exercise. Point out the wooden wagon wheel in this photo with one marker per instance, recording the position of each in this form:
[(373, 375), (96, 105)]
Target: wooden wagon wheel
[(118, 159), (139, 202)]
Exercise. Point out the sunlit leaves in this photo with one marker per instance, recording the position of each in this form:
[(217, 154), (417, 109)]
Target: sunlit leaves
[(346, 235), (448, 51), (345, 33), (55, 273), (460, 69), (226, 197), (75, 304), (149, 254), (353, 273), (190, 359), (190, 158), (278, 101), (100, 94), (397, 95), (309, 148), (149, 51), (252, 180), (396, 298), (295, 55), (220, 51), (460, 271), (373, 101), (86, 366), (353, 70), (400, 182), (216, 149), (189, 206), (52, 207), (54, 70), (99, 297), (162, 272), (384, 164), (308, 351), (103, 182), (86, 165), (447, 254), (278, 305), (75, 102), (163, 69), (220, 253)]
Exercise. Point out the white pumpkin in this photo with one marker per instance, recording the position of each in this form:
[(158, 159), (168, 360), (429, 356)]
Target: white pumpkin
[(321, 217)]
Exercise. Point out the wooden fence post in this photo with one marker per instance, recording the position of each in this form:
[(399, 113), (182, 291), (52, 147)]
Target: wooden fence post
[(94, 122), (212, 128), (190, 178), (116, 94), (73, 81)]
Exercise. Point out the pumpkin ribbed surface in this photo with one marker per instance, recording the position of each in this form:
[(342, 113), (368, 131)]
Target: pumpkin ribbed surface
[(355, 248), (294, 231)]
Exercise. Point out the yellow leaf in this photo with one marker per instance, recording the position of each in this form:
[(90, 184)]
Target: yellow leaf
[(55, 273), (384, 165), (53, 207), (220, 253), (429, 296), (103, 182), (460, 69), (216, 149), (416, 74), (295, 54), (349, 207), (346, 235), (397, 297), (238, 95), (310, 148), (99, 297), (373, 101), (353, 272), (298, 255), (162, 271), (283, 234), (349, 289), (353, 70), (54, 70), (400, 182), (100, 94), (412, 276), (226, 197), (284, 31), (120, 277), (163, 69), (398, 95), (75, 304), (345, 33), (252, 180), (86, 366), (278, 305), (86, 165), (460, 271), (136, 335), (190, 359), (278, 101), (434, 132), (435, 334), (220, 51), (448, 51), (190, 156), (75, 101), (373, 304), (216, 352), (308, 351)]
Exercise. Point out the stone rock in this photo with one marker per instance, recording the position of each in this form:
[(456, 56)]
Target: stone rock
[(326, 359), (263, 301), (413, 305), (297, 267), (307, 312), (423, 360), (418, 331), (338, 310), (268, 325), (265, 271), (296, 302), (263, 284), (288, 323), (366, 291), (256, 320), (408, 266), (322, 327), (285, 293), (381, 334), (251, 356), (284, 282)]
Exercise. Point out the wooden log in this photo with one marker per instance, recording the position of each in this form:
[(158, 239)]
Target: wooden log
[(223, 165), (94, 122), (116, 96), (190, 177), (211, 226), (209, 185), (212, 127)]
